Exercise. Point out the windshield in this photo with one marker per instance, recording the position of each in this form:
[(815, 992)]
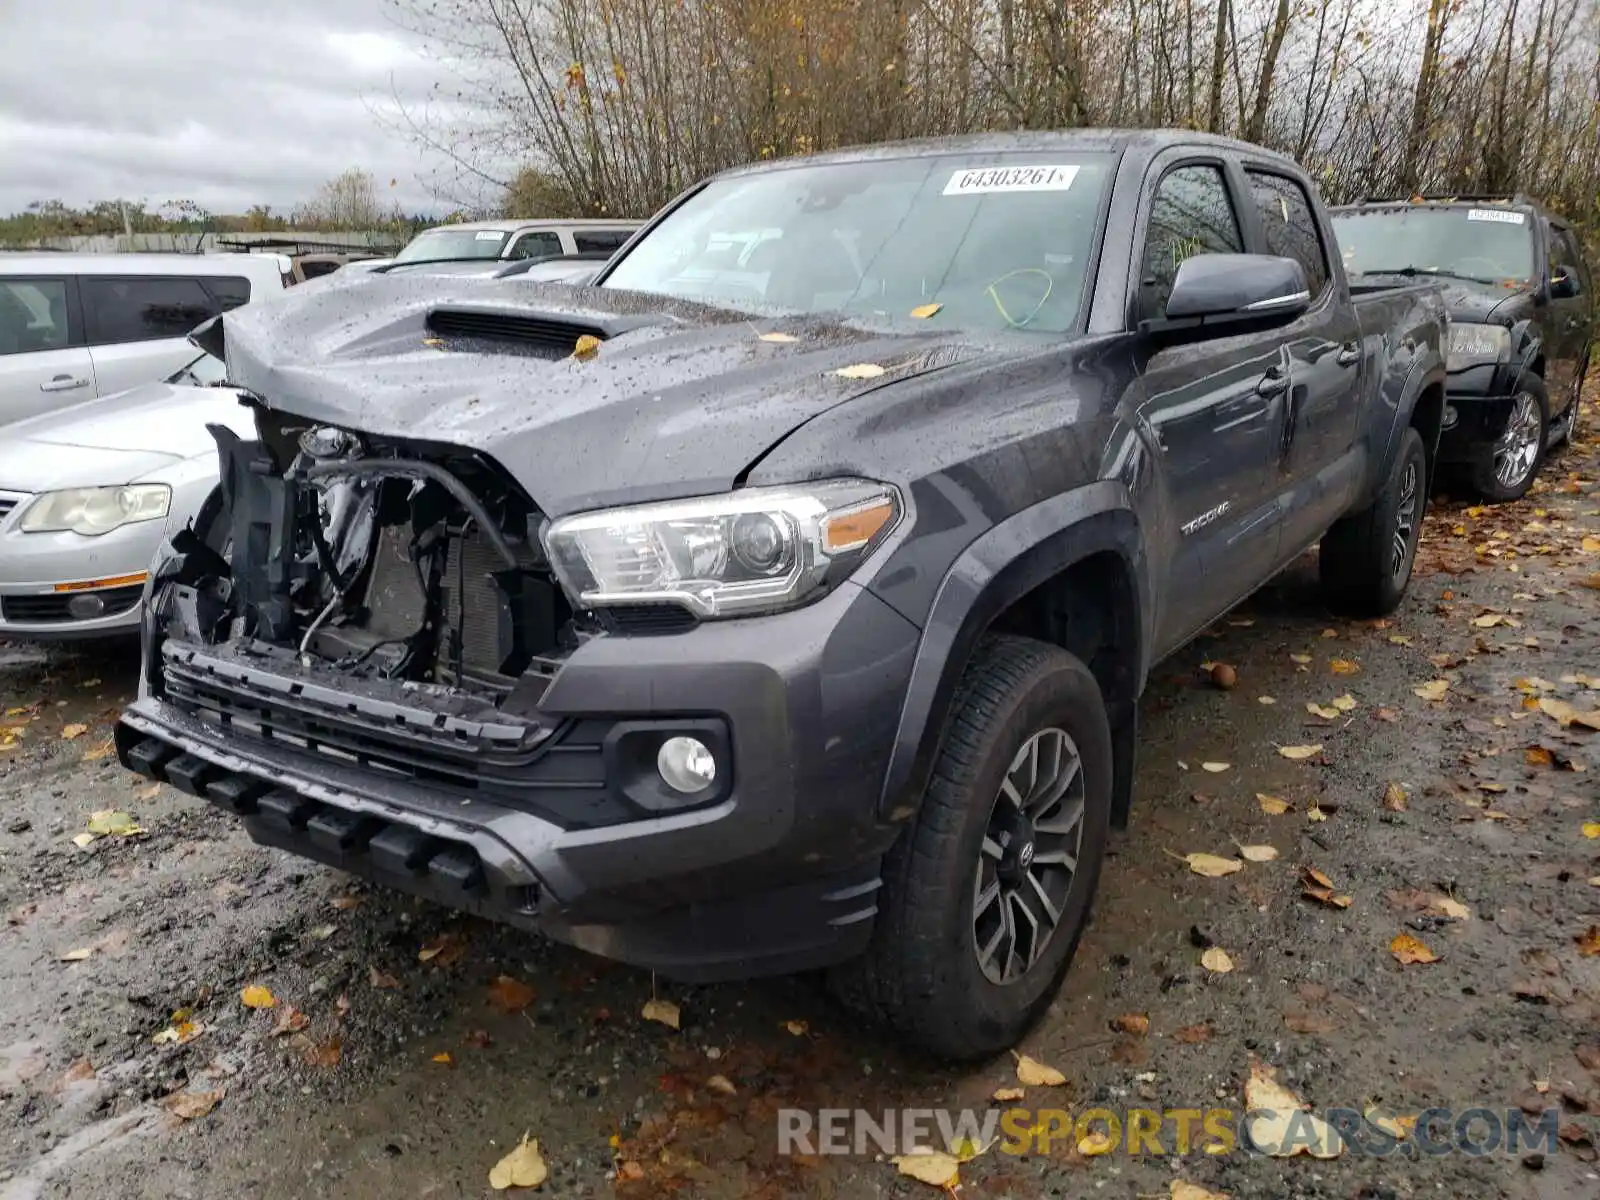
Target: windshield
[(989, 242), (1490, 245), (205, 371), (453, 243)]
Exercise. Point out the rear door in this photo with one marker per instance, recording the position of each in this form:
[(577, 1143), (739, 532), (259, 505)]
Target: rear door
[(1570, 318), (139, 326), (1319, 463), (1210, 406), (44, 364)]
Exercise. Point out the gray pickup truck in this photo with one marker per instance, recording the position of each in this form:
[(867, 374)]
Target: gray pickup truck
[(784, 599)]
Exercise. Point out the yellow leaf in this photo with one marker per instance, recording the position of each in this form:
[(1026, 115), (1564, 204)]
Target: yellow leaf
[(77, 955), (443, 1059), (1216, 768), (1591, 545), (586, 347), (1258, 854), (1591, 829), (178, 1033), (1212, 866), (1273, 806), (1396, 1126), (1407, 950), (445, 950), (1394, 798), (1006, 1094), (1343, 666), (1315, 813), (1434, 689), (721, 1083), (1135, 1023), (1589, 942), (1322, 710), (1568, 714), (1099, 1141), (68, 732), (796, 1028), (1447, 906), (923, 311), (1400, 639), (861, 371), (83, 839), (109, 821), (1283, 1127), (929, 1166), (1193, 1191), (1033, 1073), (1216, 960), (1299, 752), (191, 1106), (523, 1167), (1345, 703), (664, 1011), (256, 996), (1302, 659), (1265, 700), (148, 793), (779, 337)]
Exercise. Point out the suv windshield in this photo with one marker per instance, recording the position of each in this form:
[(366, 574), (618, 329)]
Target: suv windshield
[(453, 243), (989, 242), (1490, 245)]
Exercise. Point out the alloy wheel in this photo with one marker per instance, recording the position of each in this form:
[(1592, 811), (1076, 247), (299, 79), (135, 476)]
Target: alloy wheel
[(1518, 448), (1029, 856), (1405, 524)]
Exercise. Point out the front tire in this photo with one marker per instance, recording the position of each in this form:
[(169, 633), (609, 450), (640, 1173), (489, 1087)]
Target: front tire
[(988, 890), (1518, 452), (1365, 560)]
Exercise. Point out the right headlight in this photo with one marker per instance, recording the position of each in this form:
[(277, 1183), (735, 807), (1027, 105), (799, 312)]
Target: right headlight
[(754, 550), (1474, 345), (94, 511)]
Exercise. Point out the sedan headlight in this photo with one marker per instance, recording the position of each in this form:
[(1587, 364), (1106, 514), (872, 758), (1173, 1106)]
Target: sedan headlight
[(749, 551), (1474, 345), (93, 511)]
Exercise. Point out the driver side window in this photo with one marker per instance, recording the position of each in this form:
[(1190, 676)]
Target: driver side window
[(1191, 213)]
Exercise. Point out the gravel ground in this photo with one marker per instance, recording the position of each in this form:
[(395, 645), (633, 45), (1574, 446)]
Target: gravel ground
[(399, 1062)]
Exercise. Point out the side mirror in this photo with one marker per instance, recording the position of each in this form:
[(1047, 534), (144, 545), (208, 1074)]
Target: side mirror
[(1225, 292), (1562, 285)]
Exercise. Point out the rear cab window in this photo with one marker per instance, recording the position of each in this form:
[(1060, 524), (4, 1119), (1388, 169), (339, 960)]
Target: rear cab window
[(535, 244), (35, 315), (596, 241), (120, 309), (1191, 213), (1289, 224)]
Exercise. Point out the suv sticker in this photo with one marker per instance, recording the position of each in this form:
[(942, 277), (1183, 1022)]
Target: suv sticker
[(976, 181), (1504, 216), (489, 235)]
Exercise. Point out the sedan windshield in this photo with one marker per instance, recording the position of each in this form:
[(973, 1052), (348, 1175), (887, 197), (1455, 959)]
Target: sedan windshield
[(1488, 245), (986, 242), (453, 243)]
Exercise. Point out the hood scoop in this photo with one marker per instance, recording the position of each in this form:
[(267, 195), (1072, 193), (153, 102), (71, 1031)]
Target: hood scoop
[(545, 336)]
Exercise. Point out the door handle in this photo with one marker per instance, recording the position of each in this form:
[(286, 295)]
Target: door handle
[(63, 383), (1274, 383), (1349, 354)]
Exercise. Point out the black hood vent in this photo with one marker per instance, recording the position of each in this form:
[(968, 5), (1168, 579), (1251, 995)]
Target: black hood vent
[(548, 337)]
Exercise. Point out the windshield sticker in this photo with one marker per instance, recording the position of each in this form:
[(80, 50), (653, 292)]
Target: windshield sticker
[(1496, 214), (489, 235), (976, 181)]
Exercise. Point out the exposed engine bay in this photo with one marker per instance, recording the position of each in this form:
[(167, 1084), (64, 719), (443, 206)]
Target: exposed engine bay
[(382, 561)]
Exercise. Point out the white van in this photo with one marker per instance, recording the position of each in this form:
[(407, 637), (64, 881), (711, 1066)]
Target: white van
[(77, 326)]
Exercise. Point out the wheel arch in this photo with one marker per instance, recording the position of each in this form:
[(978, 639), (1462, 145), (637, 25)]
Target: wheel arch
[(1079, 554)]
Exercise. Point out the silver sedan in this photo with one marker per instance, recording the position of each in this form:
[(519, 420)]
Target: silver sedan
[(87, 493)]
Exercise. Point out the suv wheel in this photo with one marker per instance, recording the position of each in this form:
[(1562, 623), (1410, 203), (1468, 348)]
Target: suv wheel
[(1519, 450), (987, 891), (1365, 560)]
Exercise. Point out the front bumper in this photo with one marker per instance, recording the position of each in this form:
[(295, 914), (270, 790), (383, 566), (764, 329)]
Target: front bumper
[(1479, 422), (34, 567), (779, 873)]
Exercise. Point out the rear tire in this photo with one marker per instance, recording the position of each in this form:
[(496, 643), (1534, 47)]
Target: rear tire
[(1519, 451), (1365, 560), (974, 858)]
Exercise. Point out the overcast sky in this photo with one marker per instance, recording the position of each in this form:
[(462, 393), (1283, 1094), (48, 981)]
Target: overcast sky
[(224, 102)]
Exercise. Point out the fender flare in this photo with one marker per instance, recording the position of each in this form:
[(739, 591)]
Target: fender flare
[(1003, 565), (1422, 376)]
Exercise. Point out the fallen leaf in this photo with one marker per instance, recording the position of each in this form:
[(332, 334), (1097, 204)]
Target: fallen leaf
[(1589, 942), (1265, 700), (1395, 1125), (860, 371), (1346, 703), (1330, 633), (77, 1072), (1538, 756), (345, 903), (1317, 886), (1216, 960), (1258, 854), (1394, 798), (1400, 639), (1447, 906), (1388, 714), (1191, 1035), (1299, 752), (148, 793), (83, 840), (1343, 666), (77, 955), (1135, 1023), (1591, 829), (586, 347), (75, 730), (1284, 1128), (1099, 1141), (256, 996), (1434, 689), (323, 932), (1193, 1191), (929, 1166), (1272, 805), (523, 1167), (1303, 659), (779, 337), (445, 949), (721, 1083), (1033, 1073), (1303, 1022), (796, 1028), (110, 822), (1567, 714), (291, 1020), (664, 1011), (318, 1054), (1315, 813), (178, 1034), (923, 311), (1216, 768), (381, 979), (190, 1106), (1007, 1094), (1408, 950), (479, 1039), (512, 995), (1212, 866), (444, 1059), (99, 750), (1321, 710)]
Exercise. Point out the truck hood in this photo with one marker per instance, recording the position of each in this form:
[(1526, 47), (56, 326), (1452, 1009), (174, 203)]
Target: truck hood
[(679, 400)]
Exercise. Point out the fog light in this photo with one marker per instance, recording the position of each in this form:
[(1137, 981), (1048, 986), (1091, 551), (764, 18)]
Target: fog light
[(1450, 416), (686, 764), (86, 608)]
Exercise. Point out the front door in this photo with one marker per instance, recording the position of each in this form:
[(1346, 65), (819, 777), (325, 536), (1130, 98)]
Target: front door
[(1210, 407), (1568, 343)]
